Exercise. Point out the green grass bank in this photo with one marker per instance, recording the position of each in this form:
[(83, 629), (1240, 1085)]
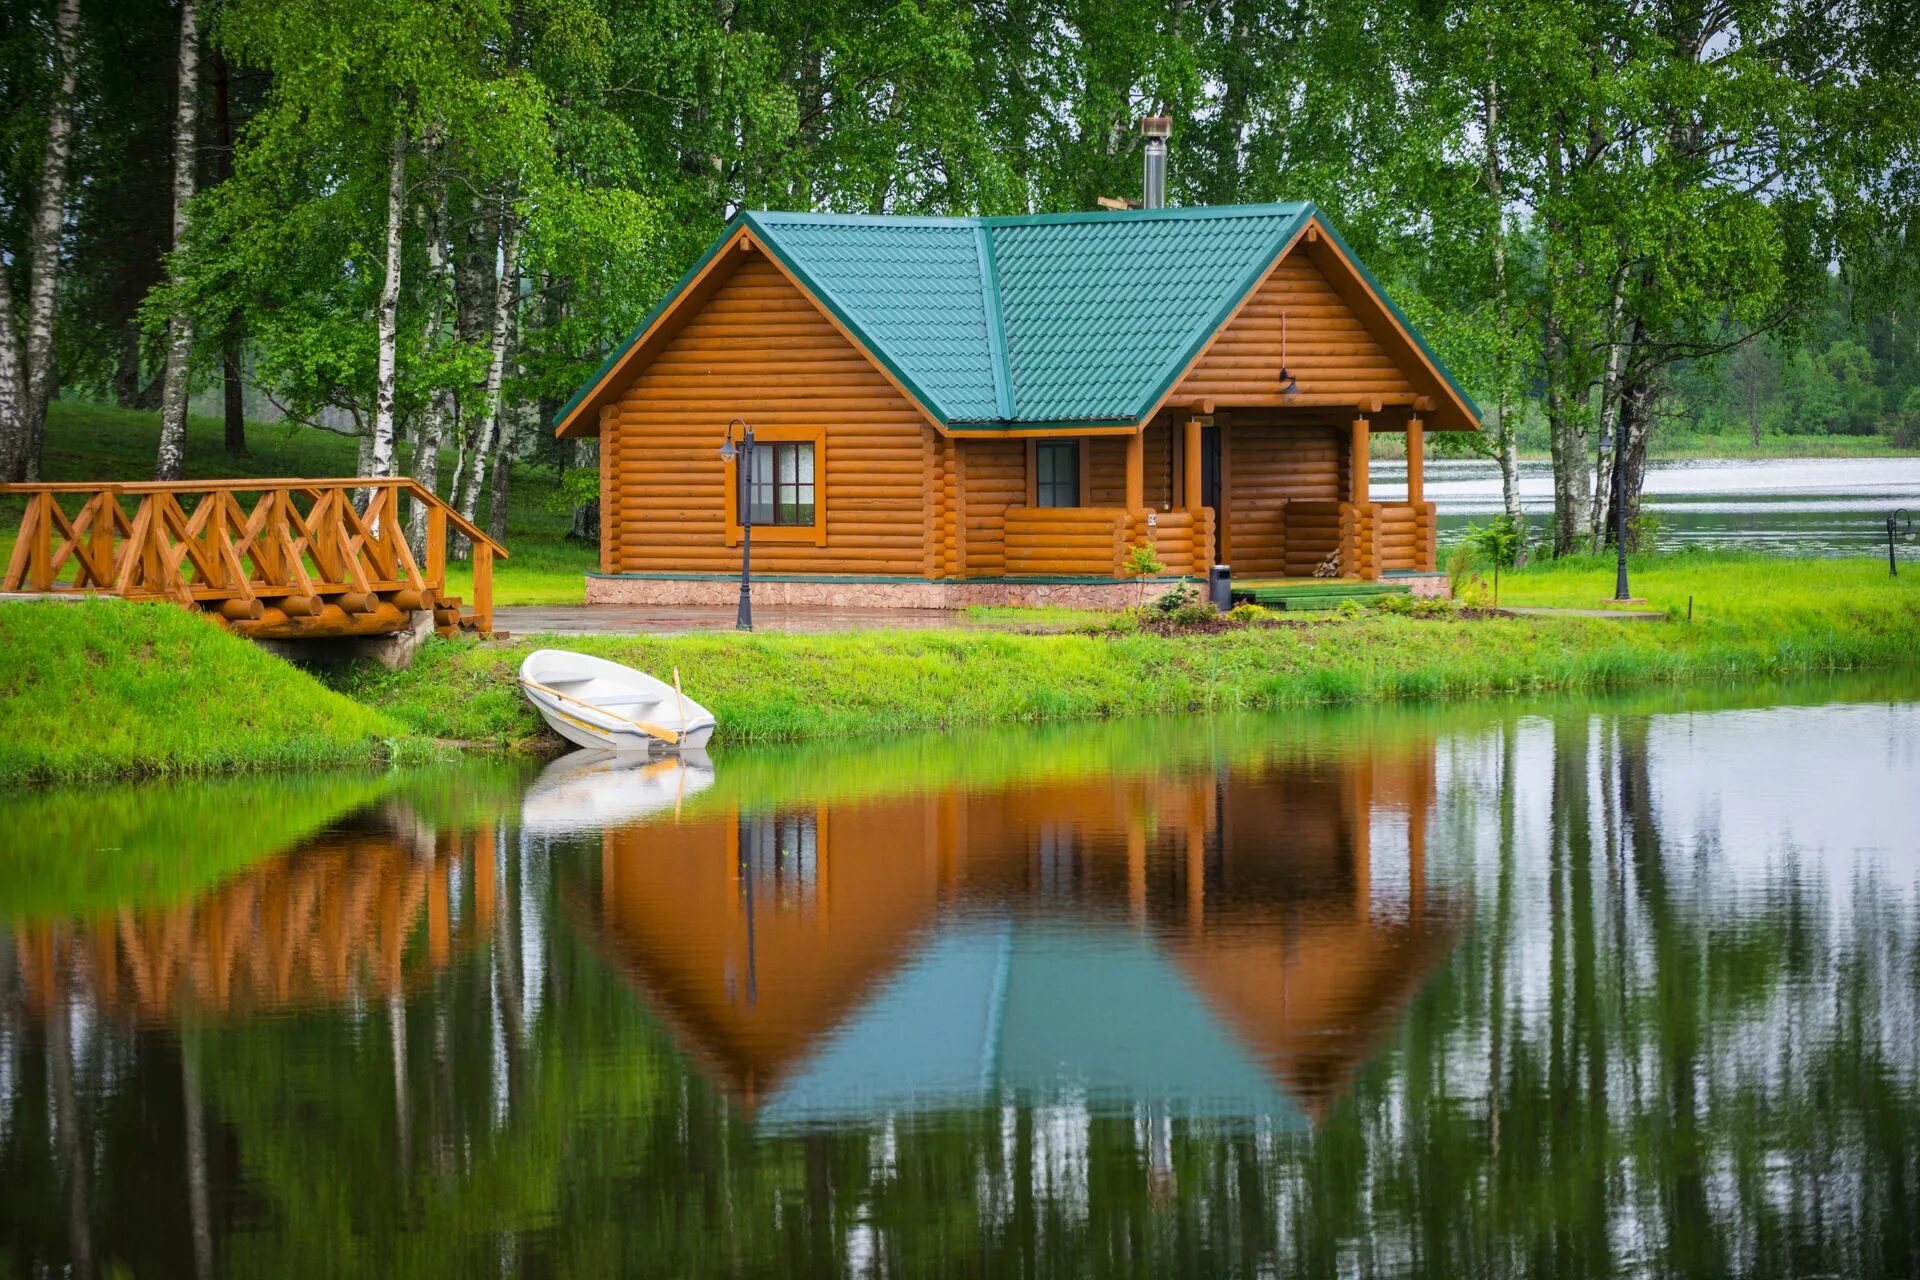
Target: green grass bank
[(1753, 618), (97, 690)]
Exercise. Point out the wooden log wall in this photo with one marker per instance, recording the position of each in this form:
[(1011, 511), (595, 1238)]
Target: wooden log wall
[(1312, 530), (993, 476), (1402, 541), (760, 349), (1272, 467), (1328, 349), (1077, 542), (1107, 469)]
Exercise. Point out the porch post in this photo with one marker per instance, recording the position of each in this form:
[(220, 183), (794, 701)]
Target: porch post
[(1416, 461), (1191, 472), (1136, 472), (1357, 464)]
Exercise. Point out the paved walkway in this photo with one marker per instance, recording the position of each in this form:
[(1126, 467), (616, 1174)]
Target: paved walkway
[(667, 620), (1618, 615)]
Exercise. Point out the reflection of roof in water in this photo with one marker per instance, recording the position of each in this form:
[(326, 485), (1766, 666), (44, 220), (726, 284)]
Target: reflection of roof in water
[(1042, 1012)]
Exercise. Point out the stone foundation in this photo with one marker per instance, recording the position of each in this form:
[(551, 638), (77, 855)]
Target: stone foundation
[(1428, 586), (833, 594), (828, 593)]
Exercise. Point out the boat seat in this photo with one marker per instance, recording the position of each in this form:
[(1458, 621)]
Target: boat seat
[(627, 700)]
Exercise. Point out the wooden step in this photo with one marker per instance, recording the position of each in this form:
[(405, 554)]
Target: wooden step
[(1316, 597)]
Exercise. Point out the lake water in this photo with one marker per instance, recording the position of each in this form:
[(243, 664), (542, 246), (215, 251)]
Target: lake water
[(1559, 989), (1803, 506)]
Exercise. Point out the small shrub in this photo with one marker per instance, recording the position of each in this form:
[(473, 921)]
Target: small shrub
[(1201, 611), (1644, 530), (1395, 603), (1495, 543), (1351, 608), (1247, 611), (1182, 596)]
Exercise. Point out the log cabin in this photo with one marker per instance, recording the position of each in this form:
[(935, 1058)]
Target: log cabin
[(951, 411)]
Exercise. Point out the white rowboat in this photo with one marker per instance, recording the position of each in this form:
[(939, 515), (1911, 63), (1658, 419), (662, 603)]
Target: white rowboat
[(587, 791), (604, 706)]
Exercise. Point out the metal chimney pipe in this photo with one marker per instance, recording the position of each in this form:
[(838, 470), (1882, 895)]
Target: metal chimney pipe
[(1155, 129)]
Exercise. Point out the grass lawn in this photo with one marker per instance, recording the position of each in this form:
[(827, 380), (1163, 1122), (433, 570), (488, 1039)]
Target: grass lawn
[(99, 689), (1754, 618), (97, 442)]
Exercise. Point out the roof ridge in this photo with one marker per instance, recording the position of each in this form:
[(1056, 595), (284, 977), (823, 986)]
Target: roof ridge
[(996, 324)]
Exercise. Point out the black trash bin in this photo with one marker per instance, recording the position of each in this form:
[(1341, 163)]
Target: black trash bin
[(1220, 587)]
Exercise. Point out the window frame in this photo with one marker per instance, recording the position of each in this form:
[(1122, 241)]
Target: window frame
[(815, 533), (1076, 451)]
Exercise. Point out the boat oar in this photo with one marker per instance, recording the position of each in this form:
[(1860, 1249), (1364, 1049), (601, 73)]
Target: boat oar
[(659, 731), (680, 698)]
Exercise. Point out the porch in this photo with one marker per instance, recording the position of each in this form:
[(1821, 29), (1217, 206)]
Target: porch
[(1276, 494)]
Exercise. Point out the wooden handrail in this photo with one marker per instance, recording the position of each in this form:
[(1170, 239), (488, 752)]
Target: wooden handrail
[(277, 558), (407, 484)]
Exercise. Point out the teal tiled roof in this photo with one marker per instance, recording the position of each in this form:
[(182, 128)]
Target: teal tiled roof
[(1080, 318)]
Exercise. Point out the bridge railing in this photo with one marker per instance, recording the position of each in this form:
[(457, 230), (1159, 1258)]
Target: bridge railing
[(281, 559)]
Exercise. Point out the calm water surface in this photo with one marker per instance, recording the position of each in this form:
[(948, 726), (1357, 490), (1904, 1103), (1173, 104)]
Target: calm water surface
[(1802, 506), (1628, 988)]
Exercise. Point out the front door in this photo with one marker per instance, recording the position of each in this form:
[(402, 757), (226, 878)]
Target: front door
[(1210, 489)]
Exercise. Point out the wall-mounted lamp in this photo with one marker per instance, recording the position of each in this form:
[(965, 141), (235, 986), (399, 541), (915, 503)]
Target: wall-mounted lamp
[(1289, 385)]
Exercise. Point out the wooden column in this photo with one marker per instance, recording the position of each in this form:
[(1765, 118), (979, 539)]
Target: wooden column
[(1416, 461), (1357, 464), (1136, 471), (1192, 467)]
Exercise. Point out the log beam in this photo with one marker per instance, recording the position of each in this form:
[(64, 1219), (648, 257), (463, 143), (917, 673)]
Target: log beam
[(1416, 461)]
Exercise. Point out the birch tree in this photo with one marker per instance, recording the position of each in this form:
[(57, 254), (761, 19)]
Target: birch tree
[(380, 454), (171, 463), (23, 445), (506, 290)]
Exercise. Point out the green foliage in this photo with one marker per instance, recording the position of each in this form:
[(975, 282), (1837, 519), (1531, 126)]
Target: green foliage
[(1496, 542), (1248, 611), (1143, 561)]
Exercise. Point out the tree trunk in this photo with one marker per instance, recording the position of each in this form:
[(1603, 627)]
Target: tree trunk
[(439, 406), (233, 403), (172, 462), (1639, 394), (487, 429), (1611, 384), (496, 525), (1505, 449), (126, 369), (13, 387), (380, 458), (586, 516), (1565, 437), (43, 250)]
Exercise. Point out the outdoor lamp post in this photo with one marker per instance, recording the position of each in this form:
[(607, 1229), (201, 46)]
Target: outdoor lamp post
[(744, 483), (1893, 528)]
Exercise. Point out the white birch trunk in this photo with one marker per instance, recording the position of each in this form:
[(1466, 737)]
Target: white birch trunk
[(380, 457), (1505, 449), (172, 462), (487, 430), (13, 387), (43, 244), (1609, 407), (433, 420)]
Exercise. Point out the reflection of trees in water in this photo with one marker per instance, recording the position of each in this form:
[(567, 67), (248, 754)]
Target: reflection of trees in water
[(1626, 1067)]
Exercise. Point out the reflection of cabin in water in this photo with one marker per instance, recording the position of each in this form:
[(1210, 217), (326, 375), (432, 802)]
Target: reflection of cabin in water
[(762, 936), (965, 410)]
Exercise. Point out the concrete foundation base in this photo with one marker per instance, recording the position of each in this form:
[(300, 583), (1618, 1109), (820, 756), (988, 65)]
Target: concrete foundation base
[(393, 651), (1427, 586), (873, 594)]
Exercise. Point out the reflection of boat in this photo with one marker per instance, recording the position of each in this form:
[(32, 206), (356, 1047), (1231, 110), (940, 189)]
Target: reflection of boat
[(602, 705), (596, 790)]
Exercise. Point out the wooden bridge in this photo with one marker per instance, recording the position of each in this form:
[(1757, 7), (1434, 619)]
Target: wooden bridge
[(269, 559)]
